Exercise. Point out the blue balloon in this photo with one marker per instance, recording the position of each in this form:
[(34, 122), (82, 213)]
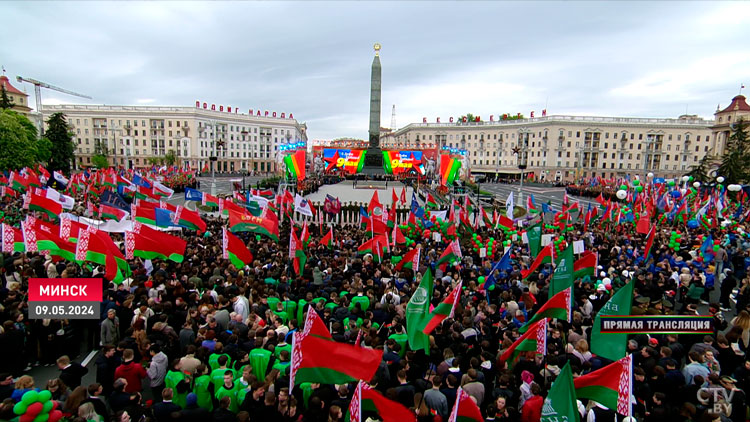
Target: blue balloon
[(676, 194), (692, 224)]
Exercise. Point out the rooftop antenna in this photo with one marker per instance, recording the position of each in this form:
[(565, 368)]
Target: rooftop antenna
[(393, 118)]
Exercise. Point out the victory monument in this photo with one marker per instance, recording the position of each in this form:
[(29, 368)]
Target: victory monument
[(374, 157)]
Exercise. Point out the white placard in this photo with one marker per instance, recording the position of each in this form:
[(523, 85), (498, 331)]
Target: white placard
[(483, 252), (506, 250), (524, 238), (514, 237), (578, 246), (436, 237), (546, 239)]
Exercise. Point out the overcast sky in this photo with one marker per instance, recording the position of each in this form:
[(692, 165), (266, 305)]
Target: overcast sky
[(439, 59)]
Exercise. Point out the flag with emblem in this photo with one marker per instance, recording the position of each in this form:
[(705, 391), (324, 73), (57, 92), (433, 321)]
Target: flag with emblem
[(148, 243), (267, 224), (302, 205), (417, 314), (560, 403), (12, 239), (430, 202), (191, 220), (545, 256), (44, 204)]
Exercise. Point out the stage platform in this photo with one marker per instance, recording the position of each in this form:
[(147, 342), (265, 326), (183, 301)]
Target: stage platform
[(346, 192)]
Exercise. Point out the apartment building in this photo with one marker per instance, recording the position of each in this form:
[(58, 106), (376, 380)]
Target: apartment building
[(132, 135)]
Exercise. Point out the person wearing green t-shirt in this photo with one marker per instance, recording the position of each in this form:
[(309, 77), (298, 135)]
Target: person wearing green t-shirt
[(290, 308), (281, 347), (229, 389), (400, 337), (213, 359), (202, 383), (364, 302), (259, 359), (172, 380), (217, 375)]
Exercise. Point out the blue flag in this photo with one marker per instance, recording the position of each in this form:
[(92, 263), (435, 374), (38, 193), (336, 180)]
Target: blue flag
[(114, 200), (415, 208), (502, 265), (140, 181), (547, 209), (163, 217), (193, 195)]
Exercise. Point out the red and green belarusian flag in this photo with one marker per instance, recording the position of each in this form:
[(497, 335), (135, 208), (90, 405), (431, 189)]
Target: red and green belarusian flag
[(305, 234), (444, 309), (296, 253), (12, 239), (149, 243), (465, 409), (611, 386), (210, 200), (37, 239), (96, 246), (533, 340), (70, 229), (558, 306), (649, 243), (410, 260), (585, 265), (504, 223), (317, 358), (367, 399), (545, 257), (327, 240), (191, 220), (235, 250), (451, 253), (43, 204), (376, 246), (430, 202), (267, 224), (107, 212)]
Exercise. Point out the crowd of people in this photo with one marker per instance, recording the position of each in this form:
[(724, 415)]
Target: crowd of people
[(203, 340)]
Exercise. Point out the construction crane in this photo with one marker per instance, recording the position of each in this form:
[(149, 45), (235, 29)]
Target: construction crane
[(38, 85)]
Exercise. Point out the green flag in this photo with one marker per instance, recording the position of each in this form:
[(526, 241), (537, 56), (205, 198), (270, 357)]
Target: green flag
[(563, 278), (612, 346), (560, 404), (534, 235), (418, 314)]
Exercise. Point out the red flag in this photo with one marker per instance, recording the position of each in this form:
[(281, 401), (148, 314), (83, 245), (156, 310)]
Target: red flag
[(649, 243), (394, 198), (403, 195)]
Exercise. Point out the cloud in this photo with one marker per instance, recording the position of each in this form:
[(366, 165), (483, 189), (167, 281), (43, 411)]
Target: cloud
[(439, 59)]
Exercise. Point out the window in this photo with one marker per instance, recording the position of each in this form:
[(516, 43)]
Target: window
[(606, 145), (169, 123), (570, 133), (679, 137), (667, 158), (640, 136), (567, 154), (606, 136), (578, 134), (639, 146), (670, 136)]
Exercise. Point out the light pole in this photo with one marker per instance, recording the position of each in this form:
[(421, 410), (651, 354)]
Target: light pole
[(213, 157)]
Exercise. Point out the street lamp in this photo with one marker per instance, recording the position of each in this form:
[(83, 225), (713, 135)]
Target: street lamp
[(213, 157)]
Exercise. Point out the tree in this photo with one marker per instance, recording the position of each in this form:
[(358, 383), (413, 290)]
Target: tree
[(735, 163), (5, 101), (154, 161), (100, 161), (700, 171), (43, 150), (171, 158), (60, 135), (17, 142)]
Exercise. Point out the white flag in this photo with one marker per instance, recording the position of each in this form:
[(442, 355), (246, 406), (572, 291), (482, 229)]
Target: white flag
[(302, 206), (509, 206), (66, 201)]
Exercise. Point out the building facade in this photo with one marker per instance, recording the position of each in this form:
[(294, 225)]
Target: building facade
[(724, 123), (132, 136), (20, 99), (567, 148)]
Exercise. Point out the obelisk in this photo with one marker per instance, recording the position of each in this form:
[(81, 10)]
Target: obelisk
[(374, 156)]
